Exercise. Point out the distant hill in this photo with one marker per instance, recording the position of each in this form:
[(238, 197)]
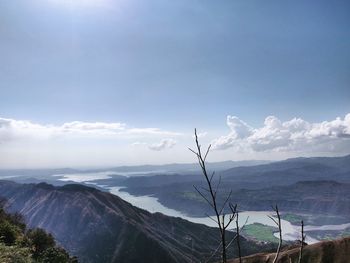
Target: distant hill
[(310, 185), (188, 167), (315, 197), (337, 251), (100, 227), (285, 172), (292, 170), (168, 168)]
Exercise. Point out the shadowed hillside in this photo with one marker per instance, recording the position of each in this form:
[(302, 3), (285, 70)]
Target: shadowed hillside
[(100, 227), (308, 185)]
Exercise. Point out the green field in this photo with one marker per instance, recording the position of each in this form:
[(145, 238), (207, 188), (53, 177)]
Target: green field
[(294, 219), (260, 232)]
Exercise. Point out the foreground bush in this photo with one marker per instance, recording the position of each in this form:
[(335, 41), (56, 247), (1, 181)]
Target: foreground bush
[(33, 246)]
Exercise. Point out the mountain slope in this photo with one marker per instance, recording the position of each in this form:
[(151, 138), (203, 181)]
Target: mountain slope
[(308, 185), (293, 170), (327, 197), (100, 227)]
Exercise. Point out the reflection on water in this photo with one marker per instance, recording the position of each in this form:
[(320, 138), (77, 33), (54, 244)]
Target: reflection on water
[(84, 177), (151, 204), (88, 177)]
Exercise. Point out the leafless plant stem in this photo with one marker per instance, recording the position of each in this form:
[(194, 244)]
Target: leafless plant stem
[(302, 242), (278, 223), (238, 242), (220, 215)]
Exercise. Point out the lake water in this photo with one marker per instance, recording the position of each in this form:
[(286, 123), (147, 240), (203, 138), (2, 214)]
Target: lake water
[(83, 177), (89, 177), (151, 204)]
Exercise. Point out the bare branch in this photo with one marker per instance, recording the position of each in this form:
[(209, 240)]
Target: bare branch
[(193, 152), (205, 189), (212, 255), (302, 242), (217, 186), (232, 216), (238, 241), (211, 218), (274, 220), (225, 202), (211, 197), (245, 223), (280, 232), (211, 177), (206, 199), (233, 239), (206, 154)]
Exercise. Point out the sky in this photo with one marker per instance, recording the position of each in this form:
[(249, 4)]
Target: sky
[(112, 82)]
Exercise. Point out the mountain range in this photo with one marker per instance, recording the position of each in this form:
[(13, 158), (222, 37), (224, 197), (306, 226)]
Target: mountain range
[(308, 185), (97, 226)]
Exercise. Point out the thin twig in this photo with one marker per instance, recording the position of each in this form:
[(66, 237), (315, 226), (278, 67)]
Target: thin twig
[(199, 192), (212, 201), (302, 241), (280, 233)]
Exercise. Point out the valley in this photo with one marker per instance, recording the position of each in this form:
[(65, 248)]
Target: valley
[(322, 202), (97, 226)]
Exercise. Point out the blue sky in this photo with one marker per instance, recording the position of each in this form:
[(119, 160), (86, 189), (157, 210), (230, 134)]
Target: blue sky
[(173, 65)]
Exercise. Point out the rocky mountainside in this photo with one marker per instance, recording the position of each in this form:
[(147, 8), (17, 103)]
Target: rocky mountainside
[(336, 251), (97, 226)]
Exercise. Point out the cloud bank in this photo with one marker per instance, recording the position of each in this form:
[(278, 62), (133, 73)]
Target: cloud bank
[(11, 130), (293, 135)]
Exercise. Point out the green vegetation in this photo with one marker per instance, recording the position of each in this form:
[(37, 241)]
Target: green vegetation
[(260, 232), (18, 245), (294, 219), (12, 254)]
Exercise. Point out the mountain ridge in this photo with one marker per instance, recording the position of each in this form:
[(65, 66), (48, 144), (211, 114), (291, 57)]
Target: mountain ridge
[(100, 227)]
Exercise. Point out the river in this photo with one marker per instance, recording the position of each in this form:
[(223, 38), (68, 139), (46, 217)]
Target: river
[(289, 232)]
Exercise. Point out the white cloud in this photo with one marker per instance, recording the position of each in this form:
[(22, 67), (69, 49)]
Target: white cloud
[(162, 145), (293, 135), (201, 135), (239, 130), (79, 126), (12, 130)]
